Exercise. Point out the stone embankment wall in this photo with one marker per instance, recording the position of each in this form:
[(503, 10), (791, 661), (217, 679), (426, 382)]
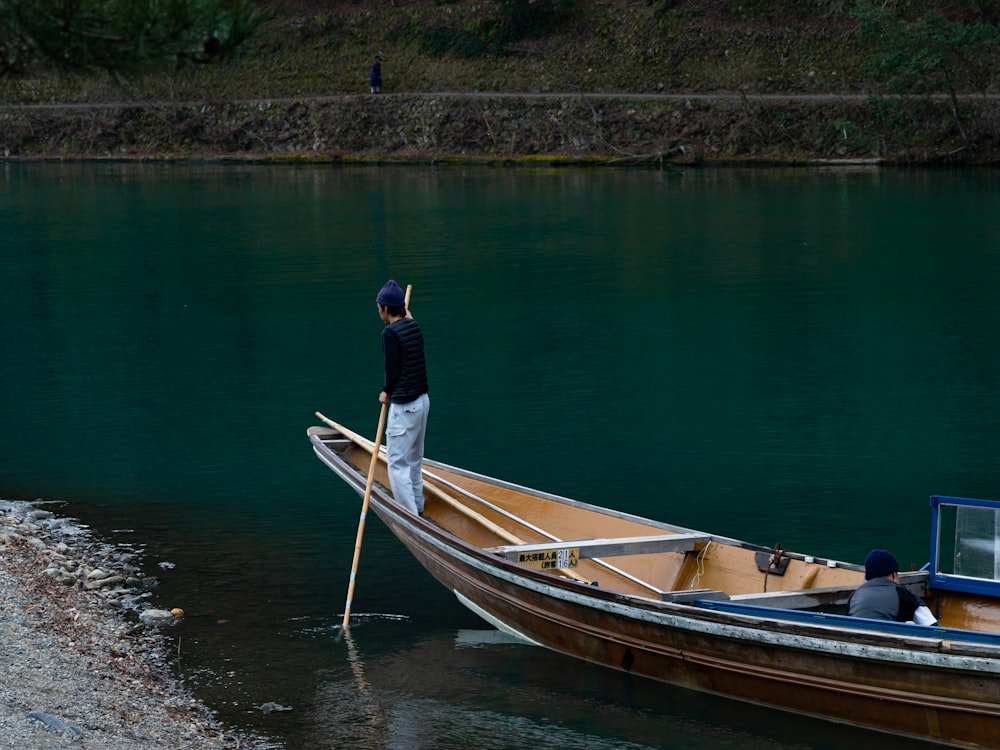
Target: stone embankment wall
[(437, 127)]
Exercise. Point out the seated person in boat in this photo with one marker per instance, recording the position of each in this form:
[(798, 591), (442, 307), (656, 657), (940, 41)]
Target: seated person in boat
[(882, 598)]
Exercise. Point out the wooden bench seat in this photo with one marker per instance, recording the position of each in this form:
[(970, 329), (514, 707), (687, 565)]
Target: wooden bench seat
[(614, 547)]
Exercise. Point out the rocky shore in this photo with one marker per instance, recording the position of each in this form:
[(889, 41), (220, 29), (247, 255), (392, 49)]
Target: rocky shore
[(83, 661)]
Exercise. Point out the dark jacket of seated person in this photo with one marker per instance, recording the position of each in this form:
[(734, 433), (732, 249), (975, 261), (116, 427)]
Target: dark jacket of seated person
[(882, 598)]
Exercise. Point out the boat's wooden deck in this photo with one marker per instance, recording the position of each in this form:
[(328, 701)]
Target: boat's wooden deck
[(709, 565), (495, 517)]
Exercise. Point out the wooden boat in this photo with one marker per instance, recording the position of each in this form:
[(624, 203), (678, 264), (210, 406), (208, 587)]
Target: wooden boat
[(707, 612)]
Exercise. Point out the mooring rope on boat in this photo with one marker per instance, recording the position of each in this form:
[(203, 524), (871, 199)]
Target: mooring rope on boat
[(700, 562)]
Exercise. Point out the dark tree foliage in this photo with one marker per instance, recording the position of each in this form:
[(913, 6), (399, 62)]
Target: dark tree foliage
[(119, 36), (985, 10), (523, 18), (926, 53), (501, 24)]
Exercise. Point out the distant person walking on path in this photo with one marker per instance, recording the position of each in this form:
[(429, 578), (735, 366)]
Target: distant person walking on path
[(375, 76)]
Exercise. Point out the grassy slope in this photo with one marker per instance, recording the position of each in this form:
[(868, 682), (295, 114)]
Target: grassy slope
[(311, 48)]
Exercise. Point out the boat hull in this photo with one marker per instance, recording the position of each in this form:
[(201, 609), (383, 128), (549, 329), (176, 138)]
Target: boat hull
[(804, 673), (919, 687)]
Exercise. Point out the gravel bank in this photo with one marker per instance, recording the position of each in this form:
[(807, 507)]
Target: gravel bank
[(79, 665)]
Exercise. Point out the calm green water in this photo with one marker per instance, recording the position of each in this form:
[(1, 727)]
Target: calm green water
[(794, 356)]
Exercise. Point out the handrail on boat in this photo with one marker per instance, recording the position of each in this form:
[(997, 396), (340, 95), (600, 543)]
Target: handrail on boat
[(528, 525), (465, 510), (367, 444), (484, 521), (613, 547), (450, 501)]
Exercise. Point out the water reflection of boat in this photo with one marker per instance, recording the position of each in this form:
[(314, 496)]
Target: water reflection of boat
[(448, 690), (707, 612)]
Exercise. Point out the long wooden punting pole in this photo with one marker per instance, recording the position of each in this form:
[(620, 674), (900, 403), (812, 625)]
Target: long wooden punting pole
[(368, 496)]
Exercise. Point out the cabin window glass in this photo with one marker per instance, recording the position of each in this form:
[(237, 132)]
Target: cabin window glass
[(969, 543)]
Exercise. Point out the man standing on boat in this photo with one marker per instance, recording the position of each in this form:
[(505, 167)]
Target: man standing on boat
[(882, 598), (404, 389)]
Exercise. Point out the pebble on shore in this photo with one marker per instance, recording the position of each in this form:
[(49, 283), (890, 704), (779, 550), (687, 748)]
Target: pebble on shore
[(83, 662)]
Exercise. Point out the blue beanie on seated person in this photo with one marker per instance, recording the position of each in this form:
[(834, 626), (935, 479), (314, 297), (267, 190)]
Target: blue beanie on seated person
[(391, 295), (880, 563)]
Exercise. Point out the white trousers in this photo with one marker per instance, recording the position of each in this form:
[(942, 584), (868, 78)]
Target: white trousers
[(404, 437)]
